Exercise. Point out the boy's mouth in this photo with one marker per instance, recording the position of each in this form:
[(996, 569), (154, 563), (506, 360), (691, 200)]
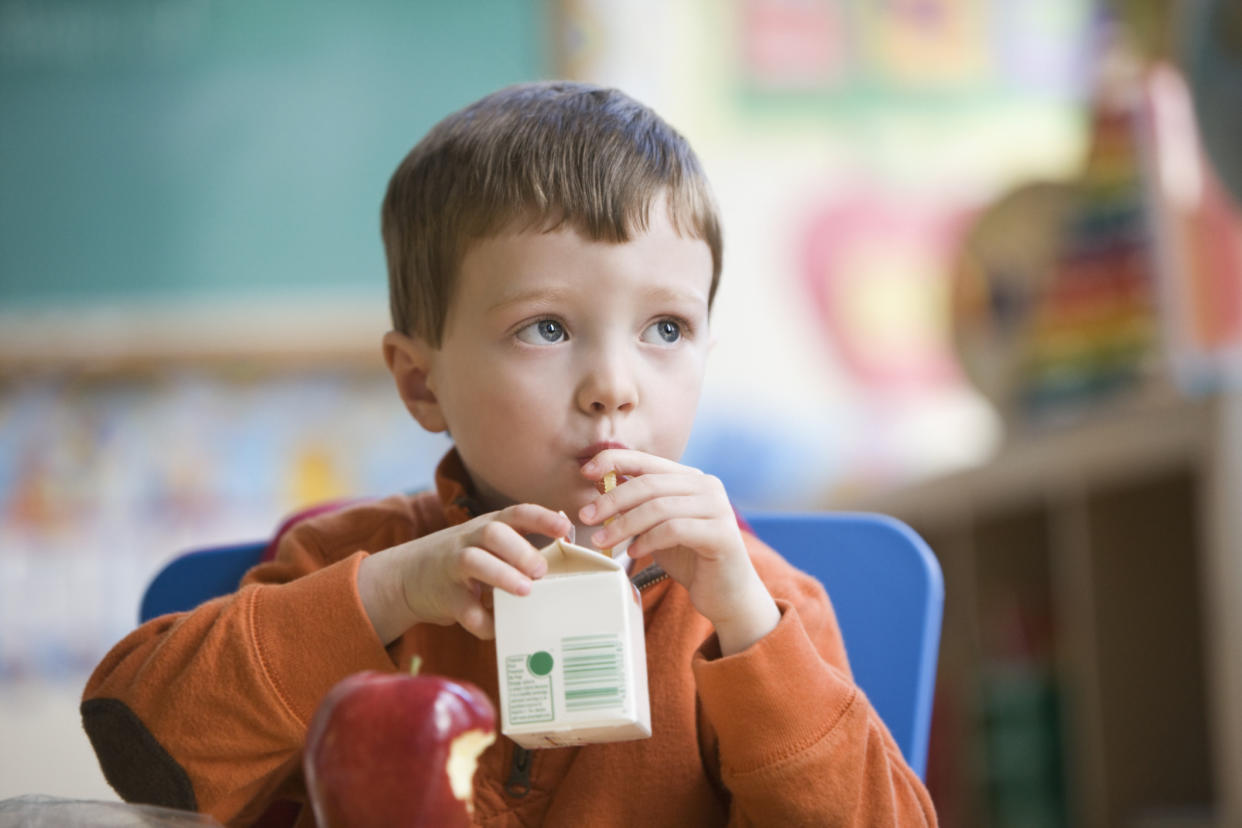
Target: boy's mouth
[(595, 448)]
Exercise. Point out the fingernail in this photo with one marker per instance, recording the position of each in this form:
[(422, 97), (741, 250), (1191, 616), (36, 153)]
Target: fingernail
[(587, 512), (589, 467), (541, 567), (598, 537)]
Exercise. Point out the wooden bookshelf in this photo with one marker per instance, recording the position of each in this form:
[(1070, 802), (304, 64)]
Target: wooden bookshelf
[(1089, 668)]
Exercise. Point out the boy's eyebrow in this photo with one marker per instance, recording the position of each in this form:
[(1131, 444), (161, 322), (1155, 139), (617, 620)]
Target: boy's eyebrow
[(554, 294), (672, 294), (542, 294)]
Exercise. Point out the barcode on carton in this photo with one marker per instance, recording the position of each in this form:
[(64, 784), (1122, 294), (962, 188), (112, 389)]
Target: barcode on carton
[(592, 670)]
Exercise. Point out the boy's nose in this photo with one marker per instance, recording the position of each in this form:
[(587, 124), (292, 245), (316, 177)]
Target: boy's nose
[(607, 388)]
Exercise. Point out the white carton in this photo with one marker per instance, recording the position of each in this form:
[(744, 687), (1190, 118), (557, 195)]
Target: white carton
[(571, 655)]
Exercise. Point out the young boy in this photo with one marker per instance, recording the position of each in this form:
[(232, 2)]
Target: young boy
[(553, 252)]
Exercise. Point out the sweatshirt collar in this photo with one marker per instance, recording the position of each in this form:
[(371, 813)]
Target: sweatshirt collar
[(456, 492)]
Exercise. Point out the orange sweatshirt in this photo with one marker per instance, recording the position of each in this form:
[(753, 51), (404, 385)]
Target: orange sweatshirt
[(208, 709)]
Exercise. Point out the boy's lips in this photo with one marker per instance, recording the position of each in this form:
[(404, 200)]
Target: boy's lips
[(595, 448)]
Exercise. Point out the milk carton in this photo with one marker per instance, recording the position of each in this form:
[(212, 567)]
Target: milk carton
[(571, 655)]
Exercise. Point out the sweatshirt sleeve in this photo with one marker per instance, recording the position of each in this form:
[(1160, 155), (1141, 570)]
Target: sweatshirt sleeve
[(798, 742), (207, 710)]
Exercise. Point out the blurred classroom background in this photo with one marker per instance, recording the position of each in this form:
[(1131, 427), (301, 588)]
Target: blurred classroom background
[(983, 271)]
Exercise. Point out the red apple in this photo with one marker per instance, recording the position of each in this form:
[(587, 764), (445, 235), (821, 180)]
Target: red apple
[(392, 749)]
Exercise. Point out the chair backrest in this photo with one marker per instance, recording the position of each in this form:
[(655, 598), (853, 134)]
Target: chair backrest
[(888, 593), (885, 586), (196, 576)]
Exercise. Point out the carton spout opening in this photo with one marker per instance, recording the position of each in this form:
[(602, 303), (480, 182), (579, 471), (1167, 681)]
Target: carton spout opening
[(566, 558)]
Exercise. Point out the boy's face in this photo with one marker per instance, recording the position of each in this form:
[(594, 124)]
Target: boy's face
[(556, 347)]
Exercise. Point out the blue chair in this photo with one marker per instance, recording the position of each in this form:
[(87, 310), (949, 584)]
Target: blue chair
[(885, 585), (196, 576), (888, 593)]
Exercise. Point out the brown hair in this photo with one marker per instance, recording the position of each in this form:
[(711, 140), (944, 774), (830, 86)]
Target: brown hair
[(538, 155)]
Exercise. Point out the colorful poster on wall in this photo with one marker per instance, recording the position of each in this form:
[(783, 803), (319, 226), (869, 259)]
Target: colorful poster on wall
[(103, 480), (830, 57), (794, 44), (927, 44), (874, 267), (1042, 48)]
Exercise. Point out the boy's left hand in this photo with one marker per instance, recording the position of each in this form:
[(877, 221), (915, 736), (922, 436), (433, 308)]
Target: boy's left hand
[(683, 517)]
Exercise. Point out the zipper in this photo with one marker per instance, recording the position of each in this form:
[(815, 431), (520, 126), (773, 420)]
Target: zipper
[(518, 784), (650, 576)]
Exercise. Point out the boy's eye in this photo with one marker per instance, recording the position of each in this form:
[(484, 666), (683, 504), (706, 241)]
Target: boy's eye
[(666, 332), (542, 332)]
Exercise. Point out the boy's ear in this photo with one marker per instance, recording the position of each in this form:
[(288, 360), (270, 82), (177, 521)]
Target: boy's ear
[(409, 361)]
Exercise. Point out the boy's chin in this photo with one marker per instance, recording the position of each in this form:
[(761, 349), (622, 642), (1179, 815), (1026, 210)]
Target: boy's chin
[(568, 501)]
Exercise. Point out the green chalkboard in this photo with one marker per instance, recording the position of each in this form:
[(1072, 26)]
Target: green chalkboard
[(175, 149)]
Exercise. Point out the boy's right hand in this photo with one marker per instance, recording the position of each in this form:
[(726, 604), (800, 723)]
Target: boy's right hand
[(441, 578)]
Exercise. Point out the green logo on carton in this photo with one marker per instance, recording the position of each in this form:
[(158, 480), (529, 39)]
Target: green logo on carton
[(540, 663)]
